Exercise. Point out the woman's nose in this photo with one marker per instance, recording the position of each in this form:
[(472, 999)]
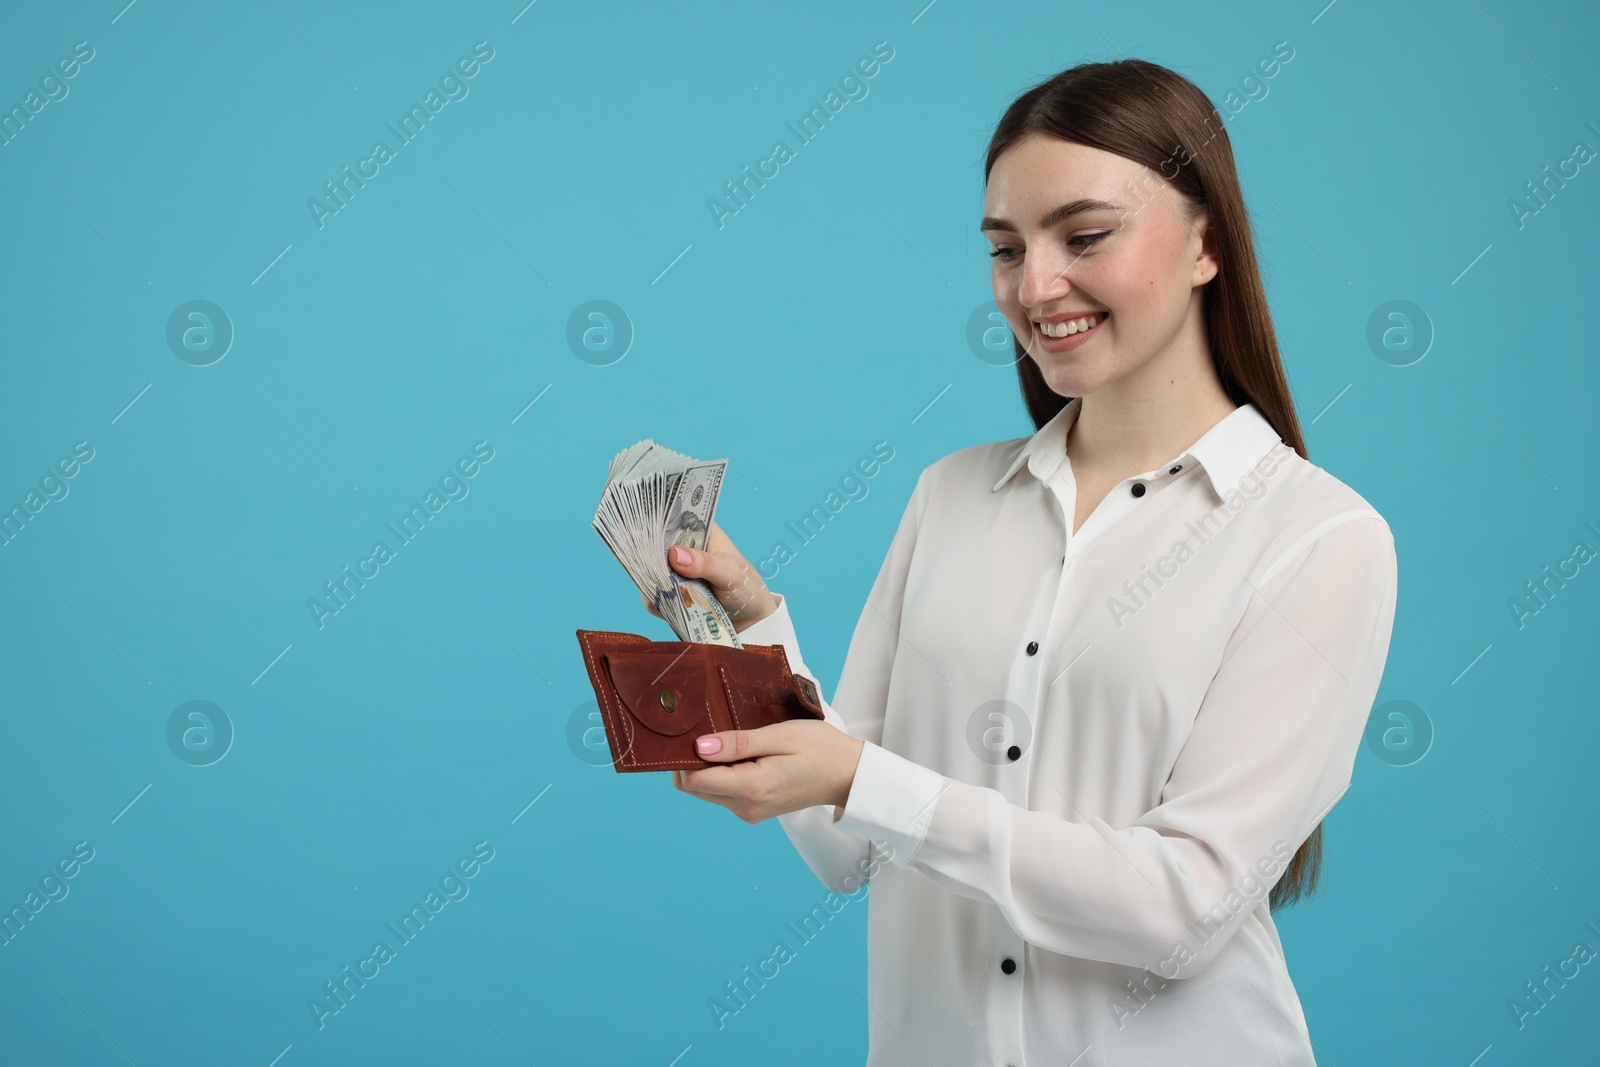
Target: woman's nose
[(1044, 280)]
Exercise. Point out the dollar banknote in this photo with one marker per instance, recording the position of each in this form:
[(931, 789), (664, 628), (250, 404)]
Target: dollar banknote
[(654, 499)]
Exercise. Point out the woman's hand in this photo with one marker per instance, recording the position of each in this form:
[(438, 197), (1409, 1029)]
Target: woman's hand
[(798, 763), (736, 584), (786, 766)]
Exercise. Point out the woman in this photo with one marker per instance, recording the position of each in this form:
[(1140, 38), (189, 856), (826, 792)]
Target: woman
[(1111, 676)]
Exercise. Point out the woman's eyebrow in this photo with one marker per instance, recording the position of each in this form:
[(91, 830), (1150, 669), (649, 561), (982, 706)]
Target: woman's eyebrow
[(1065, 211)]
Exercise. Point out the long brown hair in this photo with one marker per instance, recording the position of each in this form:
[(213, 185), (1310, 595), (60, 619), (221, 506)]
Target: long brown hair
[(1154, 116)]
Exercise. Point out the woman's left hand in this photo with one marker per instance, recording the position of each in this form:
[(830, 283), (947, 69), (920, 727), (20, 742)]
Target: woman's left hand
[(798, 763)]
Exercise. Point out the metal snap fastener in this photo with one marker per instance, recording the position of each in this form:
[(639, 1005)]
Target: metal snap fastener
[(669, 700)]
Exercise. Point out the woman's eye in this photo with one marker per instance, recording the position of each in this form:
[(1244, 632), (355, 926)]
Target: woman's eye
[(1082, 240)]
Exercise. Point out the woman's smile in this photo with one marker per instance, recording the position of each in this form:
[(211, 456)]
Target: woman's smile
[(1066, 333)]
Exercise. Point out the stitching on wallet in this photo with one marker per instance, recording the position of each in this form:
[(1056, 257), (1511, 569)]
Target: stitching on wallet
[(589, 659), (616, 719), (733, 711)]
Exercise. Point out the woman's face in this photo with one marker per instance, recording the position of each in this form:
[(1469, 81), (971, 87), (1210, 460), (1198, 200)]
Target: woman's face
[(1077, 232)]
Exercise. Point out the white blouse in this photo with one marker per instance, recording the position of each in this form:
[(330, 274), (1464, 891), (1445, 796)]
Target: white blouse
[(1089, 756)]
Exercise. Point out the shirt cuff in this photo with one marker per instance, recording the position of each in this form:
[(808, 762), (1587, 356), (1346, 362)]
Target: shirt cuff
[(891, 802), (776, 629)]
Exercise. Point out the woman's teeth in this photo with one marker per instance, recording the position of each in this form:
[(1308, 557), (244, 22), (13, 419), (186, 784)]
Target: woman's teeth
[(1070, 327)]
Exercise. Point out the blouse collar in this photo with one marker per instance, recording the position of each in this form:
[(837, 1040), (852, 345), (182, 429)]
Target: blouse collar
[(1226, 452)]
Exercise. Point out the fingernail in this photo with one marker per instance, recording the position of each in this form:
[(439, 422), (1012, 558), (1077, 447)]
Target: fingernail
[(680, 556), (709, 746)]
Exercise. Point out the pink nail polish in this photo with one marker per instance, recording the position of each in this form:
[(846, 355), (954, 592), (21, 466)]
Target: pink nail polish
[(709, 746)]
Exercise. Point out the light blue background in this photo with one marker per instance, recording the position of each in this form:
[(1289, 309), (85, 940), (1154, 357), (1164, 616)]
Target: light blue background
[(829, 314)]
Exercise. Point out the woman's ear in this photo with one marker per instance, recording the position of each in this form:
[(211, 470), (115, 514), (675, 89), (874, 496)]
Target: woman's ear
[(1208, 264)]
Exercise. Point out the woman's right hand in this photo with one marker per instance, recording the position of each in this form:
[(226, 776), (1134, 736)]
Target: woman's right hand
[(737, 585)]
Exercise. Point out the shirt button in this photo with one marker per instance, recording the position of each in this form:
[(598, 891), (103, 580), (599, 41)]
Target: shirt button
[(1033, 646), (1008, 965), (1138, 489), (1013, 753), (1176, 469)]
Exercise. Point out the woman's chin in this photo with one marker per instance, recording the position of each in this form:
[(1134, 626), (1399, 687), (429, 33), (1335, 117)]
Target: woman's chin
[(1065, 378)]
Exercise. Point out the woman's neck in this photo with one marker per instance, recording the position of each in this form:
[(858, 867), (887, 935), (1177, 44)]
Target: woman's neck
[(1125, 428)]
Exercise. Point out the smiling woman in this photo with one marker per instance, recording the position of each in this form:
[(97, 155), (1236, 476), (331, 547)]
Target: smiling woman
[(1080, 807)]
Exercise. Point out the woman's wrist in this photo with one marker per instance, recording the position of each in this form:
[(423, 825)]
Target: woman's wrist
[(757, 608)]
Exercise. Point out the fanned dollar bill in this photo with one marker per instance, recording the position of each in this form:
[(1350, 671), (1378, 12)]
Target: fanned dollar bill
[(656, 498)]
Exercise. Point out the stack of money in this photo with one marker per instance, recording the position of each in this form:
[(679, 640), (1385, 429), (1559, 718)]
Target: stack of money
[(656, 498)]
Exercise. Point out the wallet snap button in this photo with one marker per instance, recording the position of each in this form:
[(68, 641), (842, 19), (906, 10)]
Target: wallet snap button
[(669, 700)]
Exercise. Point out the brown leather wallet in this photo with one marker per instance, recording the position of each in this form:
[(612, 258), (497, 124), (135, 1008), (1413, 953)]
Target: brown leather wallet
[(656, 697)]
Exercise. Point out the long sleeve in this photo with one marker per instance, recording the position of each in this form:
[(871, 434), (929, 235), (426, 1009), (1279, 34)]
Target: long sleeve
[(1270, 751), (843, 859)]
